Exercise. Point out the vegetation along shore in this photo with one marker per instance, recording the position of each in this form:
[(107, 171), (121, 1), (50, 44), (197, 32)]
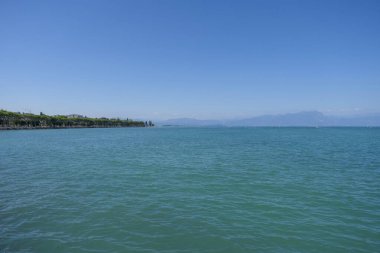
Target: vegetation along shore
[(17, 120)]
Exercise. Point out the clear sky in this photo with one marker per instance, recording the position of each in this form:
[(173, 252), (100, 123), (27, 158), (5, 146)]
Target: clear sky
[(203, 59)]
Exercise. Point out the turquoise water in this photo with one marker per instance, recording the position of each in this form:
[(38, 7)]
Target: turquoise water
[(190, 190)]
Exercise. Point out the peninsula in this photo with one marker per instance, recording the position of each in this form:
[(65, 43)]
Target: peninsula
[(17, 120)]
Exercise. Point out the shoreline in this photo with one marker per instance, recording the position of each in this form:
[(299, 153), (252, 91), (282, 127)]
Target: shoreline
[(28, 121), (67, 127)]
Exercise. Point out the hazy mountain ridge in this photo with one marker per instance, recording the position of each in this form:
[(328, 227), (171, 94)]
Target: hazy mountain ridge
[(189, 122), (307, 118)]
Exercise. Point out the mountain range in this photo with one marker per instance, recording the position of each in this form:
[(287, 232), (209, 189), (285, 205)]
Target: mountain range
[(307, 118)]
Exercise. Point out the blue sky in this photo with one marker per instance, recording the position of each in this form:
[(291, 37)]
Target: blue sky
[(203, 59)]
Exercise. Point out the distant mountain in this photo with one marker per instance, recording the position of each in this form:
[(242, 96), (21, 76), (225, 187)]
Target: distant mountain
[(308, 118), (291, 119), (189, 122)]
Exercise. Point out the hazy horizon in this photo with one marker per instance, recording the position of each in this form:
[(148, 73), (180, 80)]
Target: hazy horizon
[(201, 59), (160, 120)]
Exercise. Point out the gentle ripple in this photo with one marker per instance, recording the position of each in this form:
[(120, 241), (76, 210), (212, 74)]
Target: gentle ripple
[(190, 190)]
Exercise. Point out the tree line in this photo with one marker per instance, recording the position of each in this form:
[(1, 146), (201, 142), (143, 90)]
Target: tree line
[(18, 120)]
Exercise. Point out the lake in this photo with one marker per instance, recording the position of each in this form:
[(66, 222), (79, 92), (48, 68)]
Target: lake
[(190, 190)]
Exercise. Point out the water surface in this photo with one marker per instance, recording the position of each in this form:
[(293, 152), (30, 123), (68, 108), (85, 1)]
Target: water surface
[(190, 190)]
